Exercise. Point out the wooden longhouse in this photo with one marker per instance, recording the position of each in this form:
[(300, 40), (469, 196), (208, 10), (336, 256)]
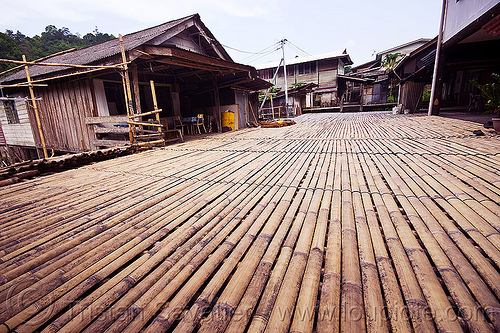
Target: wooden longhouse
[(469, 52), (192, 74), (370, 84), (320, 69)]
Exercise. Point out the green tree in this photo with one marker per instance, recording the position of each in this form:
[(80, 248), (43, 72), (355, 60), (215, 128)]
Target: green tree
[(390, 61), (52, 40), (8, 50), (97, 37)]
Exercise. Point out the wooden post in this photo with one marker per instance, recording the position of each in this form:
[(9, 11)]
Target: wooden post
[(342, 102), (135, 83), (272, 105), (362, 88), (155, 104), (128, 93), (217, 106), (35, 107)]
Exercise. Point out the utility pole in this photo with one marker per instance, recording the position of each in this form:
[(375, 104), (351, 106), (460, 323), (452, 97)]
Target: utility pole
[(435, 100), (284, 71)]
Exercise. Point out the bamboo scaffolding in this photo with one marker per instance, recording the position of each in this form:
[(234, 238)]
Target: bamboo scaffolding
[(37, 63)]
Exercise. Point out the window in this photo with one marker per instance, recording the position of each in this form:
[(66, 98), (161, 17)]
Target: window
[(307, 67), (11, 112), (313, 67), (301, 68), (281, 72), (266, 74)]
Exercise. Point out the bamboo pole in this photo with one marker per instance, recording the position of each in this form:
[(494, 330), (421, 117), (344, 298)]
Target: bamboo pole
[(35, 108), (240, 226), (155, 104), (33, 63), (234, 291), (127, 89), (329, 306), (37, 60)]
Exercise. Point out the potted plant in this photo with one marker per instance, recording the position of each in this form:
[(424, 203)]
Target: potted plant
[(491, 92)]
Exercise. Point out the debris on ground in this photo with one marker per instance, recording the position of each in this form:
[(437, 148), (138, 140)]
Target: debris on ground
[(478, 132), (278, 123)]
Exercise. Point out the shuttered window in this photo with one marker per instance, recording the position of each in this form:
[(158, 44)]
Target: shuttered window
[(11, 112)]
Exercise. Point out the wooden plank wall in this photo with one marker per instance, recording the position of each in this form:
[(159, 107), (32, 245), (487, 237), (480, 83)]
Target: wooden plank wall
[(17, 134), (63, 109), (411, 94)]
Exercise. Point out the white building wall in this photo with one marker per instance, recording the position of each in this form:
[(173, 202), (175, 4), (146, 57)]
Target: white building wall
[(461, 13), (17, 134)]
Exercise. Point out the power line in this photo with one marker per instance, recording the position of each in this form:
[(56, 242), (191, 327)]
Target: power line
[(235, 49), (255, 58), (268, 50), (298, 48)]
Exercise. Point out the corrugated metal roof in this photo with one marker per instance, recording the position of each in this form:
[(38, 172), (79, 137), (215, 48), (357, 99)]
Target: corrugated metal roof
[(395, 48), (299, 60)]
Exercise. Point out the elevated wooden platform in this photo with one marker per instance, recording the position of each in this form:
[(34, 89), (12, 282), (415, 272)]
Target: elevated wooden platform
[(343, 222)]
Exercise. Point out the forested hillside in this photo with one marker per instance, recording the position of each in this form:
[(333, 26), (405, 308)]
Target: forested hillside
[(52, 40)]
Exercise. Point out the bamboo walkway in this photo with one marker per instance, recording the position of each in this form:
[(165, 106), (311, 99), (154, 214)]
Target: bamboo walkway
[(344, 222)]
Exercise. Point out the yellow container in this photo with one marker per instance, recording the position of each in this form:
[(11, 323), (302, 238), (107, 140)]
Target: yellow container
[(228, 119)]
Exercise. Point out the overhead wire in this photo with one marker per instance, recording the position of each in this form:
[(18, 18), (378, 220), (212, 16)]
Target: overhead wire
[(264, 52), (293, 46), (254, 56)]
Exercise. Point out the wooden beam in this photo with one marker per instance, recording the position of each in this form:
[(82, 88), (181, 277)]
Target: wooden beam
[(106, 119), (172, 32), (127, 89), (190, 64), (111, 130), (110, 143), (210, 42), (194, 57)]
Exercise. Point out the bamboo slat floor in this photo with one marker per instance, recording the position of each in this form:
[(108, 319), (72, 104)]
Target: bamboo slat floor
[(343, 222)]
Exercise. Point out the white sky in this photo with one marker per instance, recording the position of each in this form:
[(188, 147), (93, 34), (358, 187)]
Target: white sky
[(362, 26)]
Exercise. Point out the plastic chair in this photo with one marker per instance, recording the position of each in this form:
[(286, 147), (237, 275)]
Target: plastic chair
[(178, 124), (200, 122)]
